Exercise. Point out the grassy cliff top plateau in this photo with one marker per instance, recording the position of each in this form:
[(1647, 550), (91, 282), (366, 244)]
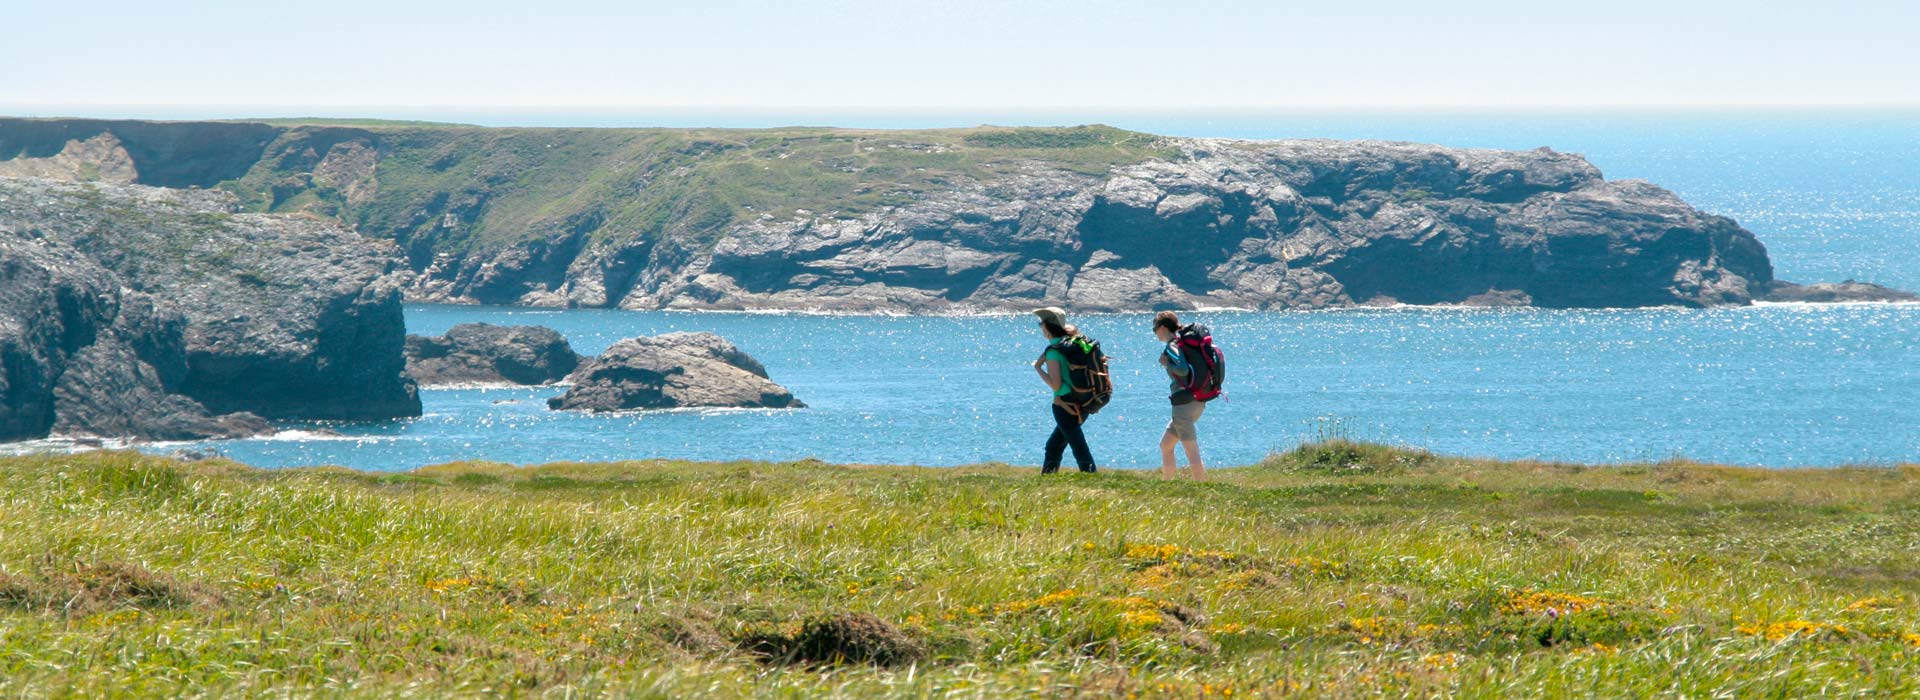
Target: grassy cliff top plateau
[(525, 183), (1335, 570), (533, 183), (937, 221)]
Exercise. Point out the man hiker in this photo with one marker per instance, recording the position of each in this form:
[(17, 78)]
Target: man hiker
[(1075, 370), (1196, 369)]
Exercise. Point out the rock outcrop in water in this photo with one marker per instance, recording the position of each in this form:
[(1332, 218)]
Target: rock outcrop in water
[(483, 353), (674, 370), (1836, 292), (951, 220), (142, 309)]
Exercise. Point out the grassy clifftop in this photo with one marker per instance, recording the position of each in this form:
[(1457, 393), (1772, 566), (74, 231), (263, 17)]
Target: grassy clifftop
[(454, 187), (942, 221), (502, 186), (1336, 570)]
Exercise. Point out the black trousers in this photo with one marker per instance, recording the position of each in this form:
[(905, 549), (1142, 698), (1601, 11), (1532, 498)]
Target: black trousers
[(1066, 431)]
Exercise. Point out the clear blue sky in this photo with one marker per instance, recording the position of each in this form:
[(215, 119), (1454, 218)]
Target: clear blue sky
[(253, 57)]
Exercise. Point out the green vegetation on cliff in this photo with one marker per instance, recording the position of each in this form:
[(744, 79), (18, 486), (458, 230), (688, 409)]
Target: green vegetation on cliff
[(1335, 570), (945, 220), (347, 121), (492, 187)]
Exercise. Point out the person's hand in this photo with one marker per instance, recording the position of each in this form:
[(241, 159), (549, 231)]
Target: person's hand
[(1164, 361)]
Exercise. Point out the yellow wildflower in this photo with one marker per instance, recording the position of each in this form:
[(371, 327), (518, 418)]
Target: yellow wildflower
[(1789, 629), (1534, 602), (447, 584), (1141, 618), (1160, 552), (1372, 628), (1873, 604)]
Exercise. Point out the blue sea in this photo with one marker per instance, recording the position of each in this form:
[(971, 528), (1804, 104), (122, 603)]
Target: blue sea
[(1834, 195)]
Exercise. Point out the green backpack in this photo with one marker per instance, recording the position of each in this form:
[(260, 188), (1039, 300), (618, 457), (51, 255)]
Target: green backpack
[(1091, 387)]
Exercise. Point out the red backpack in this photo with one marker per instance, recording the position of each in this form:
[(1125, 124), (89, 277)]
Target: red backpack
[(1207, 366)]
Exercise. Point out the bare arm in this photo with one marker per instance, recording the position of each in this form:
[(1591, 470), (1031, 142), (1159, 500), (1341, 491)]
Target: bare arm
[(1049, 371)]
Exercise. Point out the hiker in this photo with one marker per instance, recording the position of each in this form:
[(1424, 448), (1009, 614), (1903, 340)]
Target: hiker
[(1196, 369), (1075, 370)]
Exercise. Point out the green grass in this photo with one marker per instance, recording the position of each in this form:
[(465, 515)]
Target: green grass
[(347, 121), (1338, 569)]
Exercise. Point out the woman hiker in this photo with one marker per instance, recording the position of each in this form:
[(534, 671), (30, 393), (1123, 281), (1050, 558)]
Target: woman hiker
[(1186, 409), (1052, 367)]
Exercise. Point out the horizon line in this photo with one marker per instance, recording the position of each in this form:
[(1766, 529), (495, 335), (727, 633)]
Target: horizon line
[(319, 110)]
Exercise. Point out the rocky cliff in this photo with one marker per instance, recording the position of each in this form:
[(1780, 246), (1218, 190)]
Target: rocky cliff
[(279, 316), (950, 220), (81, 356)]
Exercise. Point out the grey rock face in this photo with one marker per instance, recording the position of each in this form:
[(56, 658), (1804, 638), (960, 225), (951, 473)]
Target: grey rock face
[(108, 391), (52, 306), (1267, 225), (80, 356), (284, 316), (101, 157), (1830, 292), (485, 353), (671, 371), (1177, 223)]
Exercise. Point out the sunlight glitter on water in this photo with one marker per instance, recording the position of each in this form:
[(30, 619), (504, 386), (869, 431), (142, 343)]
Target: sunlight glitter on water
[(1773, 385)]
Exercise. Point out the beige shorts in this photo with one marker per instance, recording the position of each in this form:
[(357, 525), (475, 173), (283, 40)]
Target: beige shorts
[(1184, 416)]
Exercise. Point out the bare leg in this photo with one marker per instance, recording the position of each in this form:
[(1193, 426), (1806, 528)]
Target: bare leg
[(1193, 458), (1167, 440)]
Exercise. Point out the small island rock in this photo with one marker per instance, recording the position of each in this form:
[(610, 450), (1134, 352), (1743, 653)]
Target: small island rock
[(487, 354), (672, 371), (1835, 292)]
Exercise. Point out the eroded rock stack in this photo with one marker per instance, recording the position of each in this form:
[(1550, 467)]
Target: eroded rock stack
[(483, 353), (1836, 292), (673, 370)]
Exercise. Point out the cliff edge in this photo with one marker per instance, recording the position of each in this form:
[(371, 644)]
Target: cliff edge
[(956, 220)]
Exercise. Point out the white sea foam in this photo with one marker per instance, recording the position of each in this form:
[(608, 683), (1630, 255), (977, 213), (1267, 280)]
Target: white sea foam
[(1843, 304), (805, 312), (51, 445), (321, 436), (683, 410)]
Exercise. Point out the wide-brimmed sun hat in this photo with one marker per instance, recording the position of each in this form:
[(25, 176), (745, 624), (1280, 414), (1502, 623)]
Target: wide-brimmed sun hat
[(1052, 314)]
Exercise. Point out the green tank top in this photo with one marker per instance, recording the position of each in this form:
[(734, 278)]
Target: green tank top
[(1066, 377)]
